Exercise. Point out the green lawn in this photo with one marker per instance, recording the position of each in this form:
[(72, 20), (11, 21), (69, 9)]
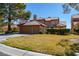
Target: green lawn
[(1, 32), (43, 43)]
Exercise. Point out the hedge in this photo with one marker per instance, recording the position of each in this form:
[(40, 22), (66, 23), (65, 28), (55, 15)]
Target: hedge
[(58, 31), (77, 31)]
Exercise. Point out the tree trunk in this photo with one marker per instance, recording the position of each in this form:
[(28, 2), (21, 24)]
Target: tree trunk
[(9, 24), (9, 19)]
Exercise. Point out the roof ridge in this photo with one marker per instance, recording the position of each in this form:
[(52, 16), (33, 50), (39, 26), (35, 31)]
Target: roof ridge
[(34, 22)]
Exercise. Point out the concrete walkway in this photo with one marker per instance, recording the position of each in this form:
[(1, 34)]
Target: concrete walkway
[(3, 54), (18, 52), (3, 37)]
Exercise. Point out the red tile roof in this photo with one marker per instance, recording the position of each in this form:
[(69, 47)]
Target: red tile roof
[(34, 23)]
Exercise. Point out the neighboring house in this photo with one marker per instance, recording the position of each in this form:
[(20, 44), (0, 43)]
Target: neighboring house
[(14, 28), (39, 25), (32, 27), (74, 21), (61, 25), (50, 22), (42, 20)]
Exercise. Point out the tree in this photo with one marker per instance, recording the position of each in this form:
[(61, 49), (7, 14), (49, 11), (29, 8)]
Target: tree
[(68, 6), (34, 16), (27, 15), (11, 11), (24, 15)]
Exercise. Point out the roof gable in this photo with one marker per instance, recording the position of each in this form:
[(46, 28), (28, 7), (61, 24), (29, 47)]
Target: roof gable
[(75, 16), (34, 23)]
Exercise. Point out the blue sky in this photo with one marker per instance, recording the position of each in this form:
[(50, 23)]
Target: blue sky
[(50, 9)]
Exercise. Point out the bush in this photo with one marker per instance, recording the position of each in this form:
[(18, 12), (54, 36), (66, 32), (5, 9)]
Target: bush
[(68, 49), (58, 31), (52, 31), (75, 47), (15, 29), (63, 31), (77, 31)]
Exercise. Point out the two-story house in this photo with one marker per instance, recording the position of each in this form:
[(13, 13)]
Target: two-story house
[(74, 21)]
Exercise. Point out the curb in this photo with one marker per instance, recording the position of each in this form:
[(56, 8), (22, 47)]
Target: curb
[(77, 54), (18, 52)]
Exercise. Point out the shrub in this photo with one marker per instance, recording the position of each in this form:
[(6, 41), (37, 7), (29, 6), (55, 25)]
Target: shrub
[(58, 31), (52, 31), (63, 31), (75, 47), (15, 29), (67, 45), (77, 31)]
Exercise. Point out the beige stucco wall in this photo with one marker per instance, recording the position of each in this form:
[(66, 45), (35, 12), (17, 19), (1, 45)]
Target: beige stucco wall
[(51, 23), (73, 20), (31, 29), (48, 23)]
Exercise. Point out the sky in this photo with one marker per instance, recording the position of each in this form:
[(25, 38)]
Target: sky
[(45, 10)]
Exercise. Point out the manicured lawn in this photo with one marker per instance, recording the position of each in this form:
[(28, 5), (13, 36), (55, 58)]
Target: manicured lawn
[(43, 43)]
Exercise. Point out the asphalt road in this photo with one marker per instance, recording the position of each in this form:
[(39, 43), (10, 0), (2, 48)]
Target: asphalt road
[(2, 54)]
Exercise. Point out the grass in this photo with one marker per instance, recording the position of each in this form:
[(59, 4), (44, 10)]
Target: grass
[(1, 32), (43, 43)]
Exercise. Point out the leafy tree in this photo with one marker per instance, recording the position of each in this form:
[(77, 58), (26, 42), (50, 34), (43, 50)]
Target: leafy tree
[(34, 16), (27, 15), (24, 15), (67, 7), (13, 11)]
